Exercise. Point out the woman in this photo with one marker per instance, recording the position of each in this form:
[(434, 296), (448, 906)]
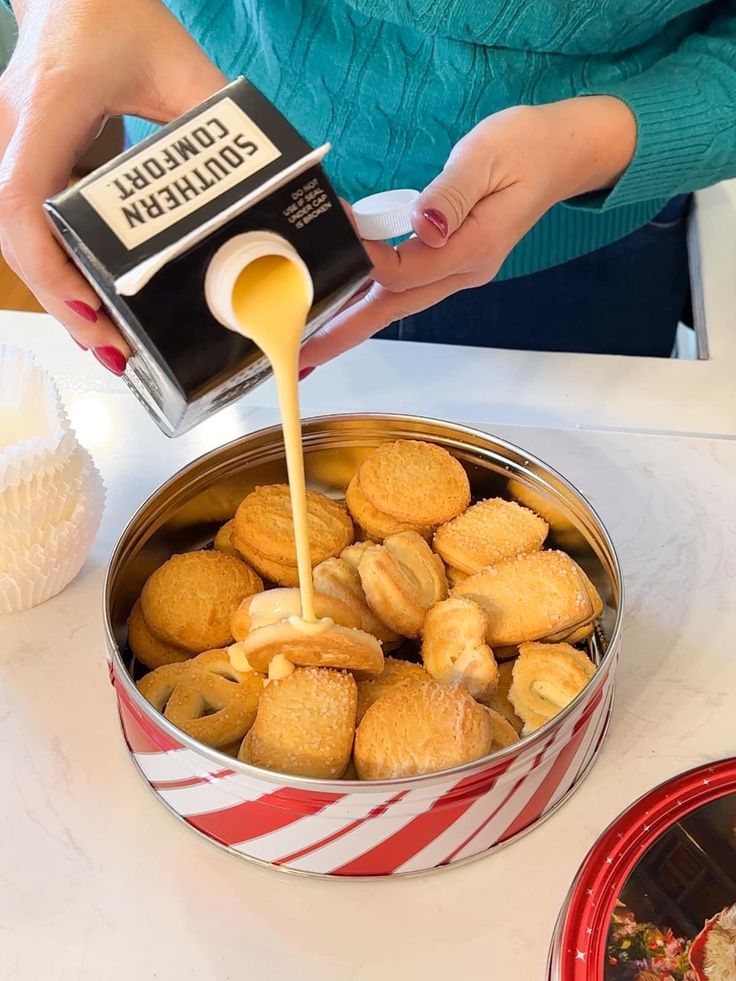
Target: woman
[(546, 136)]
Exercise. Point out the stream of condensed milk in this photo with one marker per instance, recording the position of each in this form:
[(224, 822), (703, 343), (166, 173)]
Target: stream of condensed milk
[(271, 304)]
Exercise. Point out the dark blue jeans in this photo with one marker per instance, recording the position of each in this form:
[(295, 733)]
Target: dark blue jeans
[(625, 298)]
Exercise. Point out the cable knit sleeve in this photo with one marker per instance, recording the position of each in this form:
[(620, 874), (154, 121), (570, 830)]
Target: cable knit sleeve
[(685, 110)]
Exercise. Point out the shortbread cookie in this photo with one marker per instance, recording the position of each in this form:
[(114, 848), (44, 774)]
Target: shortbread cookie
[(224, 540), (529, 597), (454, 651), (395, 672), (275, 605), (263, 529), (205, 697), (340, 580), (401, 580), (305, 724), (374, 523), (415, 482), (333, 647), (189, 600), (149, 650), (421, 728), (499, 700), (487, 533), (213, 702), (355, 552), (546, 678)]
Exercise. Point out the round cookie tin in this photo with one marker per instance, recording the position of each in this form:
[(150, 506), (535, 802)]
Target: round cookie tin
[(656, 895), (352, 828)]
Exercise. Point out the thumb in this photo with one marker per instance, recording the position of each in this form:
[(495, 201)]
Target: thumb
[(445, 203), (194, 81)]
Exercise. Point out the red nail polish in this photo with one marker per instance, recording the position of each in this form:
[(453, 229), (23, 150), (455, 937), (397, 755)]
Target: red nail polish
[(305, 373), (111, 358), (83, 310), (438, 220), (79, 344)]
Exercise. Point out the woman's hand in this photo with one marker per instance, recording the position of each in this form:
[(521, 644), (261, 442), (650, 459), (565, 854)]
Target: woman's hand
[(498, 182), (76, 63)]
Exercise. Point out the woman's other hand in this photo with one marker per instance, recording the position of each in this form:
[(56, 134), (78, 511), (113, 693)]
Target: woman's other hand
[(498, 182), (76, 63)]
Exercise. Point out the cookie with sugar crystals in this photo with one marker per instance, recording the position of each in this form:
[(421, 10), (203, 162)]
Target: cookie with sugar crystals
[(305, 724), (489, 532), (530, 597)]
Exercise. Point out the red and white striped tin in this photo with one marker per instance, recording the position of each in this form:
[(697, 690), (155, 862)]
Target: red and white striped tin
[(353, 828), (652, 856)]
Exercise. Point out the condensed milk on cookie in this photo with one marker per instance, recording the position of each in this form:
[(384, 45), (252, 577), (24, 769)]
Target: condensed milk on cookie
[(145, 228)]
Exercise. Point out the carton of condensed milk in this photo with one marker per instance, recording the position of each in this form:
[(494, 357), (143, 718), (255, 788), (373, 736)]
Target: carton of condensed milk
[(159, 229)]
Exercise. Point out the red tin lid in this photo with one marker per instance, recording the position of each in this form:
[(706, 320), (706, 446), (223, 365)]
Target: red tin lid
[(655, 899)]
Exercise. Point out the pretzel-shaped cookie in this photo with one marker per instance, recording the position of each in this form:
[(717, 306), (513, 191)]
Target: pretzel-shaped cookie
[(207, 698)]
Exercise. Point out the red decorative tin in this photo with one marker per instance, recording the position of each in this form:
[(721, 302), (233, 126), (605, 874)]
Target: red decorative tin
[(359, 828), (656, 896)]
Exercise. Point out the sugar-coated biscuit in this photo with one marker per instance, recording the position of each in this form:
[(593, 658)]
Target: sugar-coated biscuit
[(546, 678), (504, 734), (157, 686), (414, 481), (401, 580), (305, 724), (275, 605), (487, 533), (190, 599), (224, 540), (454, 650), (499, 700), (421, 728), (339, 580), (149, 650), (374, 523), (335, 647), (529, 597), (395, 672), (263, 529), (205, 697)]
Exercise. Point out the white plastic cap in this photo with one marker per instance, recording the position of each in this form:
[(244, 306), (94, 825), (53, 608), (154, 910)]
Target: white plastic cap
[(385, 215), (232, 258)]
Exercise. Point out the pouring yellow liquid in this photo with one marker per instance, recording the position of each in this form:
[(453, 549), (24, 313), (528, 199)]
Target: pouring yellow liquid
[(271, 303)]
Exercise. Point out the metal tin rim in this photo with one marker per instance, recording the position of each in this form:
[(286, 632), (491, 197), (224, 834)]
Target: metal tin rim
[(355, 786)]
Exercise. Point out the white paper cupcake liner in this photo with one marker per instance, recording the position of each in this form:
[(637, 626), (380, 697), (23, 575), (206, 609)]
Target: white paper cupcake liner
[(38, 561), (35, 436), (48, 498)]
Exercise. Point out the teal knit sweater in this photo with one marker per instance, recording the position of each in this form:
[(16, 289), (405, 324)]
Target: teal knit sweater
[(393, 84)]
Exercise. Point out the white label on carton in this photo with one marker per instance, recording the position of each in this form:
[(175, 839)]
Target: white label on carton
[(206, 156)]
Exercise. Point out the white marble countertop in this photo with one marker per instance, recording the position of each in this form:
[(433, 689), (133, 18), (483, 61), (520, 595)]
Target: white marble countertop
[(98, 881)]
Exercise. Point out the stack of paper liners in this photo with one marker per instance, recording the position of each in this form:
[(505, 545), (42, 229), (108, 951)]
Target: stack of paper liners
[(51, 495)]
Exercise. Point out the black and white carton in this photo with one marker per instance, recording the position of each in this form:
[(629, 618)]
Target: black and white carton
[(144, 228)]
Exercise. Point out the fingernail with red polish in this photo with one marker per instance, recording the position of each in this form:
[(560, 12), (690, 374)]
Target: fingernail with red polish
[(111, 358), (438, 220), (79, 344), (305, 373), (83, 310)]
